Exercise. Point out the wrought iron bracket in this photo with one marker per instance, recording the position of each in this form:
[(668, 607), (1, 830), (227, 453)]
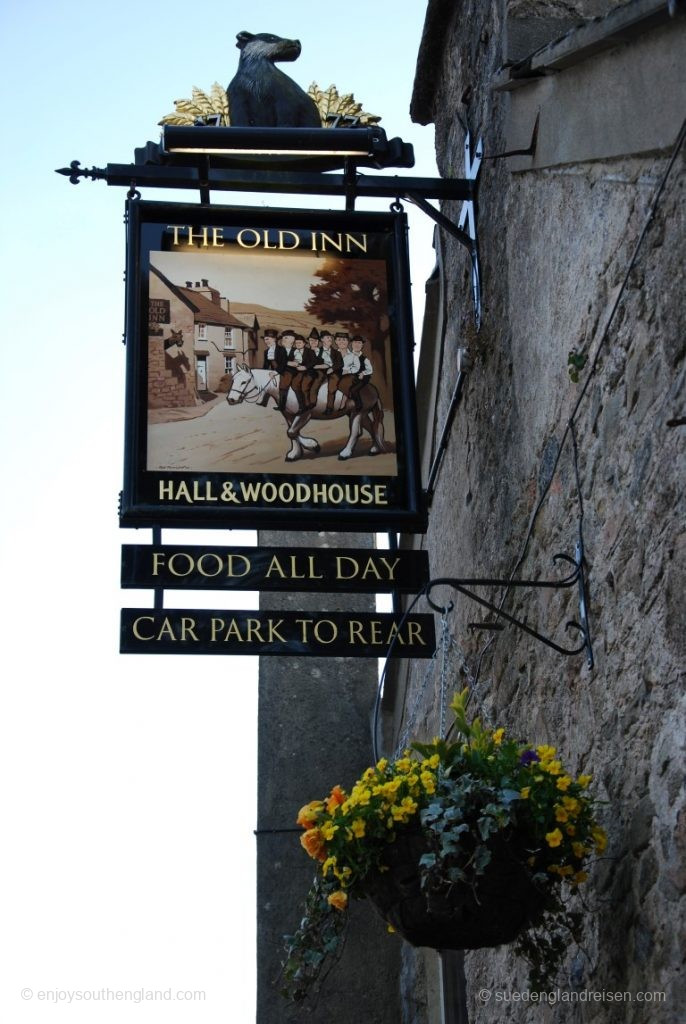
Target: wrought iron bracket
[(75, 172), (576, 578), (467, 238)]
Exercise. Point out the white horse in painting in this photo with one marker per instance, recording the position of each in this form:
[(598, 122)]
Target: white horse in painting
[(258, 386)]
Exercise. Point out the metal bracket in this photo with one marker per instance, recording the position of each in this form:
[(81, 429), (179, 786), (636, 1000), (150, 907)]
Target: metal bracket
[(576, 578), (468, 238)]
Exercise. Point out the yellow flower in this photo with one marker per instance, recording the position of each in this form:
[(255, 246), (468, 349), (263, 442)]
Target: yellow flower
[(583, 780), (599, 838), (335, 800), (552, 767), (307, 815), (572, 804), (428, 782), (566, 871), (328, 864), (570, 830), (329, 830), (313, 842), (560, 813), (545, 753), (524, 793), (382, 765), (498, 736), (580, 876), (404, 765), (390, 929), (338, 899), (553, 838), (358, 828), (579, 850), (434, 761), (563, 783)]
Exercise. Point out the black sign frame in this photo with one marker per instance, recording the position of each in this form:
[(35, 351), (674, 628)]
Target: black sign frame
[(355, 498)]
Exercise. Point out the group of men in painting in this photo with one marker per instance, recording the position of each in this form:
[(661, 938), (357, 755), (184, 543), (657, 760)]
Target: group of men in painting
[(304, 365)]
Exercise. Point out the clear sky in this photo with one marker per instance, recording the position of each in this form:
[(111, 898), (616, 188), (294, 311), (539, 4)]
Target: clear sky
[(128, 797)]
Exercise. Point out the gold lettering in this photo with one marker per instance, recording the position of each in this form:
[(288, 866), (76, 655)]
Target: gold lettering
[(241, 241), (217, 237), (136, 632), (157, 559), (176, 228), (317, 630), (376, 631), (274, 631), (166, 489), (339, 567), (282, 240), (351, 240), (166, 630), (217, 561), (391, 568), (414, 632), (215, 626), (229, 565), (254, 627), (304, 623), (355, 628), (275, 566), (380, 494), (313, 575), (294, 566), (188, 626), (202, 234), (183, 492), (233, 631), (394, 631), (327, 238), (172, 563), (371, 570), (265, 235)]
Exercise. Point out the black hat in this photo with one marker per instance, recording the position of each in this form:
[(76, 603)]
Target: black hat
[(287, 331), (342, 334), (357, 337), (271, 333)]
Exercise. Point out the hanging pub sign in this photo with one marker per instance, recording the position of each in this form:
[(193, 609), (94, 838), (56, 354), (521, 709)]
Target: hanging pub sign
[(194, 567), (316, 634), (269, 370)]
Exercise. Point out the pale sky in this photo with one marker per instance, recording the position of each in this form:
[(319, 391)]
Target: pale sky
[(129, 781)]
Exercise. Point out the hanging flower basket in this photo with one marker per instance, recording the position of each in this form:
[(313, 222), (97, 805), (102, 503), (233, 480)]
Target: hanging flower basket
[(494, 910), (459, 845)]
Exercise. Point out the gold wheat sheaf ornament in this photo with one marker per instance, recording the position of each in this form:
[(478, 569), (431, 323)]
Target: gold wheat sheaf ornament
[(214, 106)]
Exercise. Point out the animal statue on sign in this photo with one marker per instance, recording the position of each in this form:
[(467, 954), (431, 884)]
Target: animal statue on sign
[(260, 95), (258, 386)]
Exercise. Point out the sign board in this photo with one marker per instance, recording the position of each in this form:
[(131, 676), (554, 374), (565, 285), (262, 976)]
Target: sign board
[(243, 407), (193, 567), (319, 634)]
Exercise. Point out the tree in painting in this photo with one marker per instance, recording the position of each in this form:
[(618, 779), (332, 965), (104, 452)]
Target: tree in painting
[(354, 293)]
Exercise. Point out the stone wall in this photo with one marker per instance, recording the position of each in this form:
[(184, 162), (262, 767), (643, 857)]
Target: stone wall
[(171, 378), (555, 244)]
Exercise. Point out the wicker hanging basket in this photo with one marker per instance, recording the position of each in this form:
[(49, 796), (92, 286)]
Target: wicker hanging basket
[(503, 902)]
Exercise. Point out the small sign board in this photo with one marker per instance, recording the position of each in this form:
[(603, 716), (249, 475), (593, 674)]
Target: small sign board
[(194, 567), (269, 370), (318, 634)]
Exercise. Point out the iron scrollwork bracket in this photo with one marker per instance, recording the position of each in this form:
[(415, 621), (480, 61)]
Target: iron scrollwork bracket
[(576, 578)]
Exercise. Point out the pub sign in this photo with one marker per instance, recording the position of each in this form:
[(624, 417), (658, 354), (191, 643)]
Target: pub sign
[(269, 370)]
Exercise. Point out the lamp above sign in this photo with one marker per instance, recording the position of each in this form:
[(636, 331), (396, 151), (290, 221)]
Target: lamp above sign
[(269, 370)]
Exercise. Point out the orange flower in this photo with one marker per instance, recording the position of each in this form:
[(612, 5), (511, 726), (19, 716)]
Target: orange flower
[(338, 899), (307, 815), (337, 797), (313, 842)]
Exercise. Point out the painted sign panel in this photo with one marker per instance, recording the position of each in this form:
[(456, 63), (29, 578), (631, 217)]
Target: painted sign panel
[(194, 567), (269, 370), (321, 634)]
